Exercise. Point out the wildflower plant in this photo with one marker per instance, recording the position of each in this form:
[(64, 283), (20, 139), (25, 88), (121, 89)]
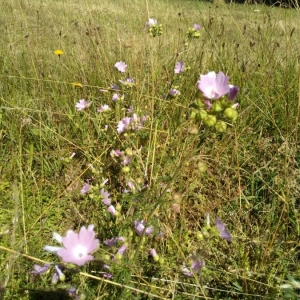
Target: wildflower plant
[(194, 32), (76, 247), (153, 28), (216, 107), (140, 178), (117, 197), (58, 52)]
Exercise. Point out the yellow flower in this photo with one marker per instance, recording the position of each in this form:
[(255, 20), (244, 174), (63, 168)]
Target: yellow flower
[(58, 52), (77, 84)]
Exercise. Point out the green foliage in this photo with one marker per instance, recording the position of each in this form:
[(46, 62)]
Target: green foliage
[(241, 165)]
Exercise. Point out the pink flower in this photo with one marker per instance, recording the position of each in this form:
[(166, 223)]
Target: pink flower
[(116, 153), (234, 90), (179, 67), (174, 92), (128, 81), (224, 233), (82, 104), (103, 108), (111, 209), (196, 27), (114, 87), (196, 265), (213, 86), (208, 104), (130, 110), (151, 22), (131, 185), (113, 241), (127, 160), (121, 66), (123, 124), (105, 197), (38, 270), (77, 246), (154, 254), (115, 97), (140, 227), (122, 250), (86, 188)]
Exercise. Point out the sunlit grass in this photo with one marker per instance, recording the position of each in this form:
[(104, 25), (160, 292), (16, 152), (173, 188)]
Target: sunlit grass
[(252, 175)]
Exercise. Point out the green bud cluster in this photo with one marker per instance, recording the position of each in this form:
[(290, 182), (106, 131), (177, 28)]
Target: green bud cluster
[(155, 30), (193, 33), (218, 116)]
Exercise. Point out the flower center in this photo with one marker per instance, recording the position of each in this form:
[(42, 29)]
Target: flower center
[(80, 251), (213, 93)]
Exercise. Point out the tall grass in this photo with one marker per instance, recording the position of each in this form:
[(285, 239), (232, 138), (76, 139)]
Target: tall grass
[(252, 177)]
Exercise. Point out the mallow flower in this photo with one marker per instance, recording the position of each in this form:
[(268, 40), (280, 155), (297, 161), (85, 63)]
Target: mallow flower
[(123, 124), (103, 108), (128, 81), (82, 104), (111, 209), (113, 241), (151, 22), (105, 197), (121, 66), (134, 123), (115, 97), (76, 246), (221, 227), (38, 270), (196, 27), (179, 67), (154, 254), (174, 92), (140, 228), (234, 90), (86, 188), (213, 86), (196, 265), (115, 87)]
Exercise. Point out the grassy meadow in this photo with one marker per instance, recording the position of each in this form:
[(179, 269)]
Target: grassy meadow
[(180, 172)]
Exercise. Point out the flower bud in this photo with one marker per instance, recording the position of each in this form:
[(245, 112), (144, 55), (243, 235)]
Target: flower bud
[(217, 106), (221, 126), (119, 256), (161, 260), (61, 275), (201, 115), (126, 169), (199, 103), (154, 254), (210, 120), (205, 232), (54, 279), (193, 129), (106, 257), (177, 197), (118, 207), (139, 180), (202, 167), (193, 114), (199, 236), (129, 152), (231, 113)]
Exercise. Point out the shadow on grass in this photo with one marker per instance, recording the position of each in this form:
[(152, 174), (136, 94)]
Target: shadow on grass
[(48, 295)]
